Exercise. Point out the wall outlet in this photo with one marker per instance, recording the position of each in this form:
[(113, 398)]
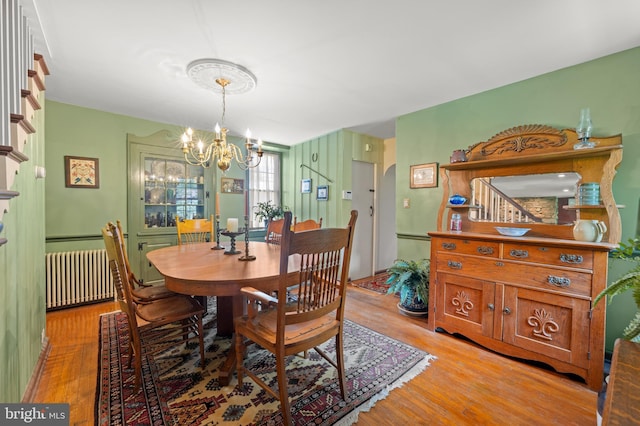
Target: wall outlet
[(406, 203)]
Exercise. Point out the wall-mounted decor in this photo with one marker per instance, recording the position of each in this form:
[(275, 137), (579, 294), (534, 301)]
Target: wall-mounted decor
[(424, 175), (323, 193), (232, 186), (81, 172), (305, 186)]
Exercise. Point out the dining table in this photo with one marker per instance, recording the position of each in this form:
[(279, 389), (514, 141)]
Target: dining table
[(201, 270)]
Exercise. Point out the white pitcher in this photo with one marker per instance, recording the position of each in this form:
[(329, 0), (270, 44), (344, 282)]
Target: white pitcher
[(589, 230)]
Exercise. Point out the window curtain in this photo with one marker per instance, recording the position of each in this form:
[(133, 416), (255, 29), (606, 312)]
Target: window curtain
[(264, 185)]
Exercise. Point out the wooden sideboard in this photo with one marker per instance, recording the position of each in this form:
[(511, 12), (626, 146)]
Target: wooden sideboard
[(529, 297)]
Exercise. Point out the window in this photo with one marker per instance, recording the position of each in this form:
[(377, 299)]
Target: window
[(264, 185)]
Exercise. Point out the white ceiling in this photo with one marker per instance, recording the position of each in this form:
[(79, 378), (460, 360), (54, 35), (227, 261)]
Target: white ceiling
[(322, 65)]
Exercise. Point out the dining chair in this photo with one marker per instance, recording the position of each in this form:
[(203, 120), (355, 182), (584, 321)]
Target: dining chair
[(154, 326), (195, 230), (305, 225), (287, 328), (274, 231), (141, 293)]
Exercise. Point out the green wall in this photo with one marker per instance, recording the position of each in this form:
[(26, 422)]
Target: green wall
[(74, 216), (326, 160), (610, 86), (22, 292)]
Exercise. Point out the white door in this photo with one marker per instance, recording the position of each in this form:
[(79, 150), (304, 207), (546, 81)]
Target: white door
[(363, 184)]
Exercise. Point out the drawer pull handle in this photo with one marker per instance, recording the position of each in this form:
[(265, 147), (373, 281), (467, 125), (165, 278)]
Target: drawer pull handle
[(506, 310), (485, 250), (520, 254), (491, 306), (571, 258), (558, 281), (449, 246), (454, 265)]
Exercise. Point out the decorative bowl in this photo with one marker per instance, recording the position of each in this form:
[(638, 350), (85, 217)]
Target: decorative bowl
[(512, 232), (457, 200)]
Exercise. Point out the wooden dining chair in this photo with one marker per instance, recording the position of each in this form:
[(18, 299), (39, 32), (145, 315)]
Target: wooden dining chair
[(155, 326), (274, 231), (141, 293), (287, 328), (195, 230), (305, 225)]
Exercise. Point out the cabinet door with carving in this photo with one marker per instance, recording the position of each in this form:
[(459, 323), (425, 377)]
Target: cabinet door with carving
[(549, 324), (465, 304)]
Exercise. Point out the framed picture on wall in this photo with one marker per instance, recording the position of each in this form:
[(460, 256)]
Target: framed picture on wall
[(323, 193), (424, 175), (81, 172), (232, 186), (305, 186)]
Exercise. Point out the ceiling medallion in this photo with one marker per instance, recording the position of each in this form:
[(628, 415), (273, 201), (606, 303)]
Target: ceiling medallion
[(205, 72)]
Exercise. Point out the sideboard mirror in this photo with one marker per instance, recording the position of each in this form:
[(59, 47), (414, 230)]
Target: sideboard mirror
[(537, 198), (528, 176)]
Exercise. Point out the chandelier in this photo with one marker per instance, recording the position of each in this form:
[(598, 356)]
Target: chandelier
[(226, 76)]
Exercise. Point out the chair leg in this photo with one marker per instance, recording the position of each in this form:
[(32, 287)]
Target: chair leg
[(239, 358), (340, 363), (201, 338), (285, 407)]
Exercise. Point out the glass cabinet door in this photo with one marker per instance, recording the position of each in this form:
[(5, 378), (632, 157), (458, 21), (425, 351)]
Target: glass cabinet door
[(172, 188)]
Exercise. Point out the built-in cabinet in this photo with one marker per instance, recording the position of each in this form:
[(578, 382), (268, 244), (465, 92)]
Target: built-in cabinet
[(531, 296), (162, 187)]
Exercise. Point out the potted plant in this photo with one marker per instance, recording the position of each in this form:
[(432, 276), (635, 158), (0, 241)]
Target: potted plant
[(629, 281), (266, 211), (410, 279)]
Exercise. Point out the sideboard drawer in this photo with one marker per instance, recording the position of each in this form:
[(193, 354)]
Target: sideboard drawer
[(569, 257), (556, 280), (547, 279), (460, 246)]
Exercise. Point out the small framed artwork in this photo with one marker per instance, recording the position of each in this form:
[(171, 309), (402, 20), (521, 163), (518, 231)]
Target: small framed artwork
[(424, 175), (323, 193), (81, 172), (305, 186), (232, 186)]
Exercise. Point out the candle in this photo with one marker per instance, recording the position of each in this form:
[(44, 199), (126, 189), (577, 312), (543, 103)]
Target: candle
[(232, 224), (217, 204), (246, 203)]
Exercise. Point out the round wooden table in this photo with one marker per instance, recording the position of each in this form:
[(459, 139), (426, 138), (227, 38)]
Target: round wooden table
[(198, 270)]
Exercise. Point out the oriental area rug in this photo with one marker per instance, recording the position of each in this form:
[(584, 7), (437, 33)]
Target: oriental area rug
[(176, 391), (377, 283)]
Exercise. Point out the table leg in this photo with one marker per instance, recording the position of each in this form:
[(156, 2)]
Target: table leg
[(234, 306), (225, 316)]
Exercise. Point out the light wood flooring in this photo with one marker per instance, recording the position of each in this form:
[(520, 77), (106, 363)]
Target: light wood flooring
[(465, 385)]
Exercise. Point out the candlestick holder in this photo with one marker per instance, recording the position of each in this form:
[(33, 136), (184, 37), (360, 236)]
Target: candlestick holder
[(232, 235), (246, 256), (217, 246)]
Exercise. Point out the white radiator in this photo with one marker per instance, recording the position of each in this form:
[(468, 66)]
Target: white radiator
[(77, 277)]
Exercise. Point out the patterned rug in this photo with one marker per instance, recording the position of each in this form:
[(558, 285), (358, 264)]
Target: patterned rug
[(377, 283), (176, 391)]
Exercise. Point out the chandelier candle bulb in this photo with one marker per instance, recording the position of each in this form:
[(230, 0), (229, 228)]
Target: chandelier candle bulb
[(232, 224)]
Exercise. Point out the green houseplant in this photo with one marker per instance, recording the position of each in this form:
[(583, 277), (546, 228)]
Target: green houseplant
[(410, 278), (266, 211), (629, 281)]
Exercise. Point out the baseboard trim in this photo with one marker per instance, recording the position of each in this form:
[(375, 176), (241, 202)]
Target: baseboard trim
[(32, 386)]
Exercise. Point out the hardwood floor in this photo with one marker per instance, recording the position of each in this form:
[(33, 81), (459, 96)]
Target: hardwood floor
[(466, 385)]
